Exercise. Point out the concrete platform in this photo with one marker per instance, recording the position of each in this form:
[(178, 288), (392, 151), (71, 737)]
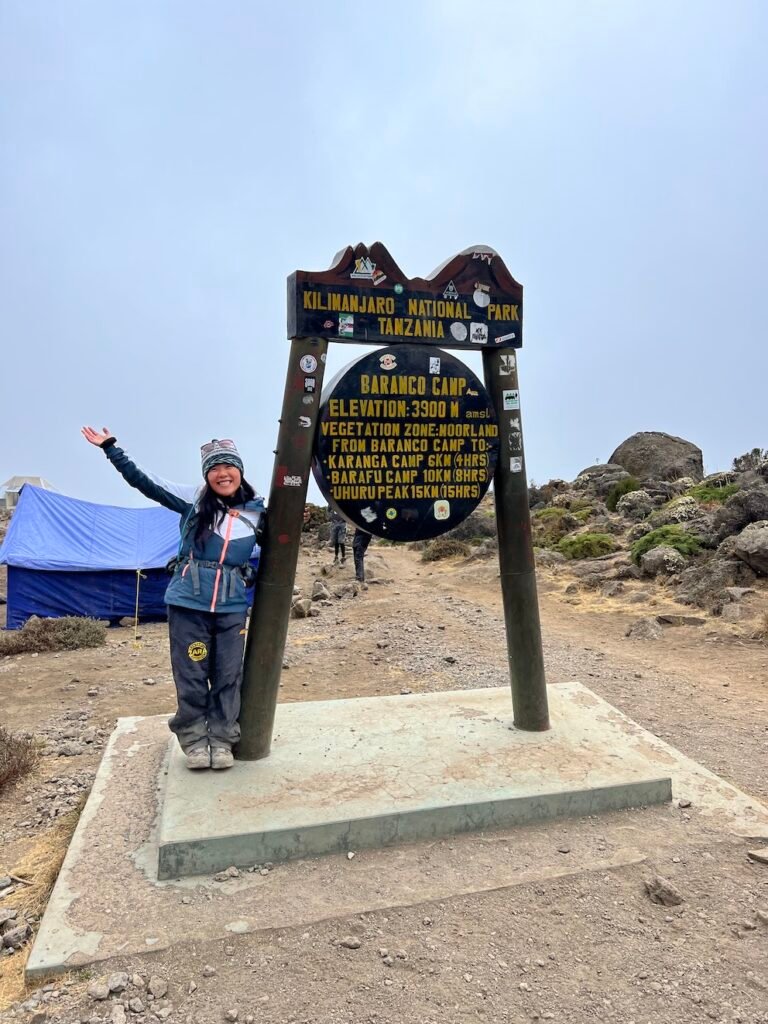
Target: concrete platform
[(370, 772), (108, 900)]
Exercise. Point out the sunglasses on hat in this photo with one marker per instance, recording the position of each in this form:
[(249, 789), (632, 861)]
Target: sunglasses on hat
[(209, 446)]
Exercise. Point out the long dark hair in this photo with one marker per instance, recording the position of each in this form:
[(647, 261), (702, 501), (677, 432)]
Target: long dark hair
[(211, 508)]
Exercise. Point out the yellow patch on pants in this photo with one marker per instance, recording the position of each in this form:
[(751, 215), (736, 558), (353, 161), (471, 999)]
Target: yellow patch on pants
[(197, 651)]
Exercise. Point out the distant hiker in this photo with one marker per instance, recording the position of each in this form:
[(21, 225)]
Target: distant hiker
[(338, 535), (206, 597), (360, 543)]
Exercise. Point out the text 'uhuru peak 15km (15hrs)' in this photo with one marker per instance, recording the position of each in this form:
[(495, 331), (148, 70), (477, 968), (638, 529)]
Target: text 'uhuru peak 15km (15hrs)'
[(407, 442)]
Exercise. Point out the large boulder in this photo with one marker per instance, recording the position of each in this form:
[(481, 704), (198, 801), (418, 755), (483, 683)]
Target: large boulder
[(749, 505), (705, 584), (635, 505), (662, 561), (654, 455), (752, 547)]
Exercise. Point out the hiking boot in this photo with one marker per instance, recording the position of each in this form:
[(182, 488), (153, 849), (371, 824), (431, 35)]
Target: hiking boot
[(221, 757), (343, 561), (198, 758)]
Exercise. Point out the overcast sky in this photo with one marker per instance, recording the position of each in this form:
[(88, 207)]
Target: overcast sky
[(165, 165)]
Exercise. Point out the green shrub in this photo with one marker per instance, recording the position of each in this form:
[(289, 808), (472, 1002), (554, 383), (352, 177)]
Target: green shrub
[(18, 756), (707, 494), (583, 514), (618, 490), (65, 634), (586, 545), (671, 536), (444, 547)]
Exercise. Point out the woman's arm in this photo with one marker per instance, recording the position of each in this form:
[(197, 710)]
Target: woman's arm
[(177, 498)]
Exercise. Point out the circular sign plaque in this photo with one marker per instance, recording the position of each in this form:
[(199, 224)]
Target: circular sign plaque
[(406, 442)]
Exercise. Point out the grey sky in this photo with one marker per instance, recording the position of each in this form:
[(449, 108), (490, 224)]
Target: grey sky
[(165, 166)]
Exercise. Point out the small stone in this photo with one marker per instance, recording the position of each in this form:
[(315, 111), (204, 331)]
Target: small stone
[(426, 921), (186, 900), (118, 1014), (661, 890), (759, 856), (192, 987), (135, 1005), (208, 971), (165, 1012), (350, 942), (93, 692), (224, 876), (158, 986), (449, 659), (98, 989), (762, 916), (563, 849), (524, 986), (231, 1015), (149, 681), (249, 1019), (683, 802), (5, 882), (137, 981), (350, 855), (7, 915), (467, 977), (118, 981), (229, 951), (16, 937)]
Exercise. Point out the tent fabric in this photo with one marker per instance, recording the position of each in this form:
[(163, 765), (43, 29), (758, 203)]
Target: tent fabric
[(51, 531), (98, 595)]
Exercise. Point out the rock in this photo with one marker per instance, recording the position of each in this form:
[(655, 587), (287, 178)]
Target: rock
[(662, 561), (680, 620), (572, 588), (6, 915), (661, 890), (739, 593), (751, 546), (70, 749), (118, 981), (135, 1005), (655, 455), (5, 882), (157, 986), (600, 479), (635, 505), (350, 942), (118, 1014), (98, 989), (208, 971), (224, 876), (613, 588), (644, 629), (749, 505), (686, 512), (547, 559), (301, 608), (731, 612), (638, 597), (759, 856), (137, 981), (15, 938), (149, 681), (231, 1015), (704, 584), (320, 592)]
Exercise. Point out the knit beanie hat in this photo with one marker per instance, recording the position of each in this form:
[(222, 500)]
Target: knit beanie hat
[(217, 453)]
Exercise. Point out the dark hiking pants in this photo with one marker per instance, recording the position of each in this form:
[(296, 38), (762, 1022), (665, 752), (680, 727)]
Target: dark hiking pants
[(360, 544), (207, 662), (338, 536)]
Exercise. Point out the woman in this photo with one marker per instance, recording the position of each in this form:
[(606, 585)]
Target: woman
[(206, 598)]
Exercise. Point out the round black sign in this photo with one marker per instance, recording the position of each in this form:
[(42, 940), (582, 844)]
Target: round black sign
[(406, 442)]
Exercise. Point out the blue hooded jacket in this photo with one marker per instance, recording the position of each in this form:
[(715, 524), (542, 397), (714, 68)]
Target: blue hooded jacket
[(208, 574)]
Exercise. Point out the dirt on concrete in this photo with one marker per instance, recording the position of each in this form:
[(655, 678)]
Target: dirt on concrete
[(591, 946)]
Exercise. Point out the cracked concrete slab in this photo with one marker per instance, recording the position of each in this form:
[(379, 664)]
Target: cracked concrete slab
[(108, 900)]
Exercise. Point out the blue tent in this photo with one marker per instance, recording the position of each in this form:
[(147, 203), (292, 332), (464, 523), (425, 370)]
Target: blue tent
[(69, 557)]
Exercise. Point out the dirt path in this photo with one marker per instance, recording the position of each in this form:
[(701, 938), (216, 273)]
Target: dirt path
[(580, 948)]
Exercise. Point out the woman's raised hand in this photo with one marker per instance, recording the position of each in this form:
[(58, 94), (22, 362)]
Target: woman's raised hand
[(95, 436)]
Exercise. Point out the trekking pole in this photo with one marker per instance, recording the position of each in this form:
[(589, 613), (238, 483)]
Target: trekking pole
[(139, 577)]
